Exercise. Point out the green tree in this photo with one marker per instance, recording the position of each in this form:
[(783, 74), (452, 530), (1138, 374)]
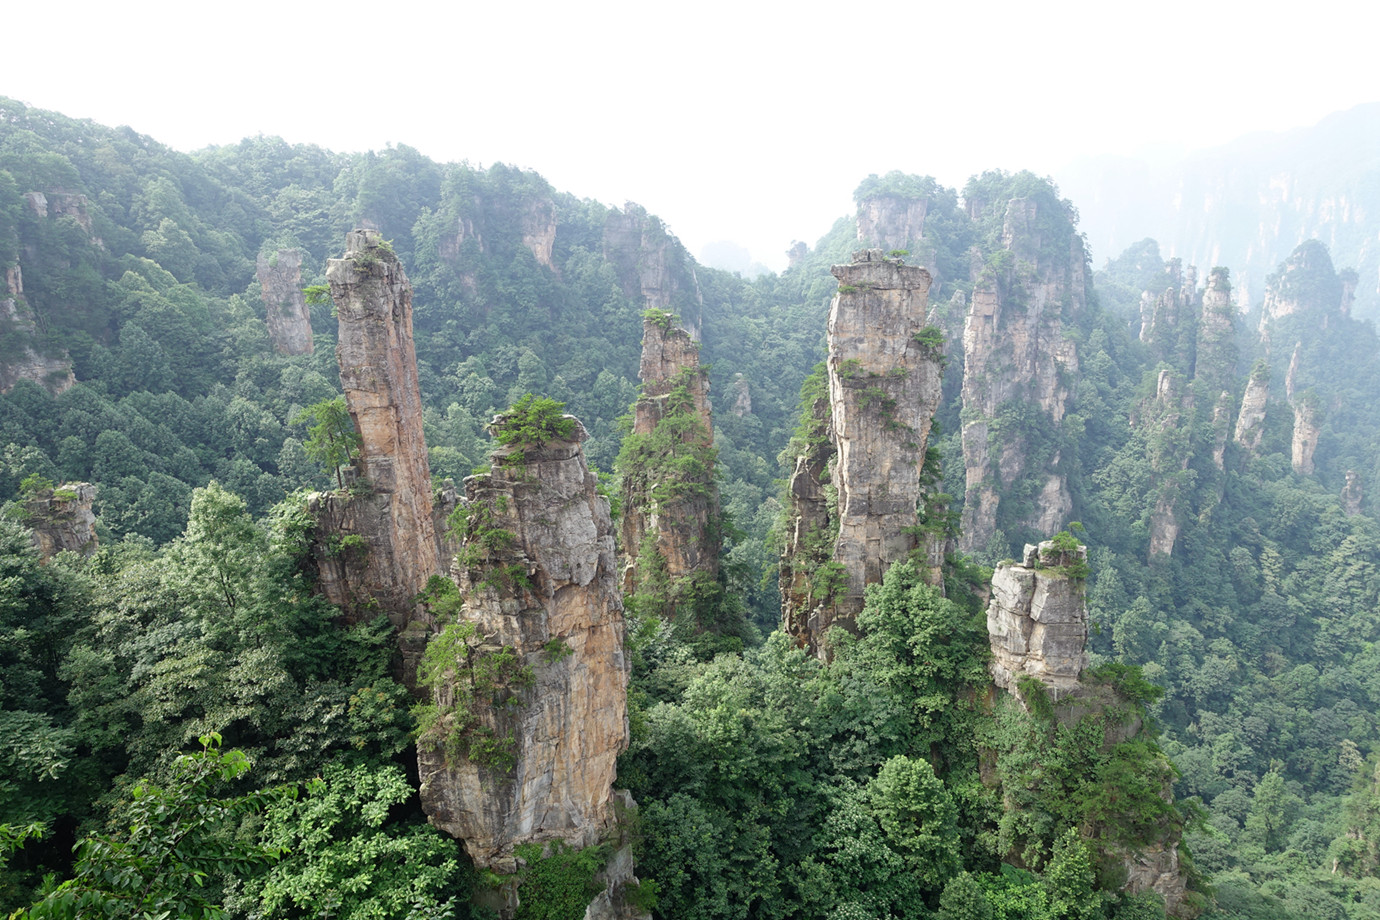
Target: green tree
[(332, 439)]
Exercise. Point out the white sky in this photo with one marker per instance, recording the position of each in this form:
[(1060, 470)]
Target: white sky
[(748, 121)]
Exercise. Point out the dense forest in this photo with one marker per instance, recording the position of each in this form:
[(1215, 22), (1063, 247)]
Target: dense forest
[(189, 729)]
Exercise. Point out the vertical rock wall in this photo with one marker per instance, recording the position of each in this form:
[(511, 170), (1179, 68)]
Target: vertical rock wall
[(1307, 431), (884, 386), (811, 531), (680, 516), (548, 591), (62, 519), (289, 323), (653, 268), (892, 222), (1018, 360), (1037, 620), (1250, 423), (389, 508), (53, 372)]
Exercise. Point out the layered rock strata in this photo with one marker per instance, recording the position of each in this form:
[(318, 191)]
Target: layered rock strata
[(884, 387), (669, 507), (1037, 621), (538, 578), (376, 543), (1017, 359), (289, 323), (61, 519)]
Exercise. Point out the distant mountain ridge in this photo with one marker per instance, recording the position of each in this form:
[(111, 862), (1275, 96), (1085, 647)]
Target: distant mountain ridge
[(1247, 204)]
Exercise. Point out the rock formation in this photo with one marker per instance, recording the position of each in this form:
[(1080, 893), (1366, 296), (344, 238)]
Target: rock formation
[(884, 386), (670, 500), (1351, 494), (62, 519), (530, 756), (537, 223), (1037, 621), (807, 586), (51, 371), (1250, 424), (1307, 430), (1215, 355), (1018, 360), (289, 323), (1167, 318), (376, 543), (892, 222), (653, 267)]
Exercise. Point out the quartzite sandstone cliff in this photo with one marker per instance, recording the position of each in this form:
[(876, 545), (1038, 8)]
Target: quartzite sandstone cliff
[(1018, 360), (62, 519), (389, 508), (1037, 621), (668, 508), (289, 323), (884, 386), (547, 590)]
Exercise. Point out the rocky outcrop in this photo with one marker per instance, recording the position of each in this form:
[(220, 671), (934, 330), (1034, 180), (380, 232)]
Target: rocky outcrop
[(376, 543), (670, 500), (892, 222), (61, 519), (1250, 424), (26, 361), (537, 223), (653, 267), (1352, 494), (289, 322), (530, 756), (1167, 317), (1037, 621), (740, 395), (1215, 356), (884, 387), (1307, 430), (1017, 360), (806, 582)]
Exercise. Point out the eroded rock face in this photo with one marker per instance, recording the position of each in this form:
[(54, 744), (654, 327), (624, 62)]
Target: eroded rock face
[(53, 372), (389, 510), (653, 267), (549, 592), (1216, 353), (1307, 430), (1037, 620), (1015, 351), (1250, 424), (538, 225), (289, 323), (884, 386), (62, 519), (806, 600), (892, 222), (682, 522), (1352, 494)]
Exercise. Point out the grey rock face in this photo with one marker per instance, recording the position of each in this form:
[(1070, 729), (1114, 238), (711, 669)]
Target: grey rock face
[(884, 386), (289, 323), (1037, 620), (569, 725), (62, 519)]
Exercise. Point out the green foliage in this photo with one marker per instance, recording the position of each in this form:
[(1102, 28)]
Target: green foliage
[(558, 884), (176, 843), (531, 423), (332, 439)]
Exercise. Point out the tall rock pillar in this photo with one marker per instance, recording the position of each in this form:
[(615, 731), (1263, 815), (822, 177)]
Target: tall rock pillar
[(884, 387), (289, 323), (389, 508), (1018, 362), (670, 515), (527, 676)]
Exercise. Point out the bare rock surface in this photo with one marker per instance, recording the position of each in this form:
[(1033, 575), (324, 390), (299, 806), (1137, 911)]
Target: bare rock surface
[(289, 323), (62, 519), (1037, 620), (563, 618)]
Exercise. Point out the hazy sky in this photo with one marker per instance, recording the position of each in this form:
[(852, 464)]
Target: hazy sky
[(749, 121)]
